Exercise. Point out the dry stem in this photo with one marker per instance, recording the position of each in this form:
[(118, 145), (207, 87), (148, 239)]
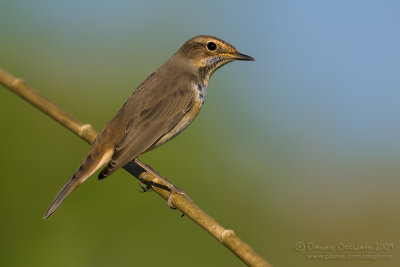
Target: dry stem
[(139, 170)]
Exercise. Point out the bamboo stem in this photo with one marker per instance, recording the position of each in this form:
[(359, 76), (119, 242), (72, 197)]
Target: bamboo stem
[(138, 169)]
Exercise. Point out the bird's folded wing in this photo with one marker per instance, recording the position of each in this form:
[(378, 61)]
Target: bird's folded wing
[(149, 125)]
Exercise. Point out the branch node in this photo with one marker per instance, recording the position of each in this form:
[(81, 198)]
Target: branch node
[(84, 128), (225, 234), (16, 82)]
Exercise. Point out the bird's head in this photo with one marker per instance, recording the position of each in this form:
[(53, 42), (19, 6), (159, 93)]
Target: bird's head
[(208, 53)]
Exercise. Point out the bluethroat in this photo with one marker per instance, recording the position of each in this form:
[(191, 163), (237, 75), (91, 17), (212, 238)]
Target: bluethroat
[(160, 108)]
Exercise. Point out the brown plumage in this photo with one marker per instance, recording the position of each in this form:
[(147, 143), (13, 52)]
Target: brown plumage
[(159, 109)]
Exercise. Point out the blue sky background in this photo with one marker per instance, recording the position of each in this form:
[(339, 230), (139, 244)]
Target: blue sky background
[(300, 145)]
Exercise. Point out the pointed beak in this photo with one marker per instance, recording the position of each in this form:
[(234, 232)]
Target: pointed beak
[(240, 56)]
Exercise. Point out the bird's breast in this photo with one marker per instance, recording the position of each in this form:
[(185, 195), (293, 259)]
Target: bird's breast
[(201, 93)]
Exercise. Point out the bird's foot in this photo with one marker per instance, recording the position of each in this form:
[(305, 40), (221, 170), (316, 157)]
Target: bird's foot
[(165, 185), (172, 190), (144, 187)]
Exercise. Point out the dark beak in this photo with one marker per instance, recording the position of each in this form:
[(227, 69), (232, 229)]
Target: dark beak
[(240, 56)]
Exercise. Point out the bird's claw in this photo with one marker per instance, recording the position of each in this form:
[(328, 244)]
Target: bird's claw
[(169, 201), (168, 186), (173, 190), (144, 187)]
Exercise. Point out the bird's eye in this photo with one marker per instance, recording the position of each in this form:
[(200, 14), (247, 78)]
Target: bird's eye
[(211, 46)]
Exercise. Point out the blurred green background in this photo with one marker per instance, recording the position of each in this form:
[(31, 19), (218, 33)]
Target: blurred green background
[(301, 145)]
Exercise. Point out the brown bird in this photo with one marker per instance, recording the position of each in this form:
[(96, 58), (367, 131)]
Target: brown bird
[(160, 108)]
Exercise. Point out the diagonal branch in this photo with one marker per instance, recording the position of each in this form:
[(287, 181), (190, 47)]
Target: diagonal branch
[(138, 169)]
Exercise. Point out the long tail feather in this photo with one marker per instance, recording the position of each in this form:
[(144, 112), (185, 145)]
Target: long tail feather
[(64, 192), (91, 163)]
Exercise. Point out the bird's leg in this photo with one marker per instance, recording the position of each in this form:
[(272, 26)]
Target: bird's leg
[(166, 185), (170, 187), (172, 190)]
